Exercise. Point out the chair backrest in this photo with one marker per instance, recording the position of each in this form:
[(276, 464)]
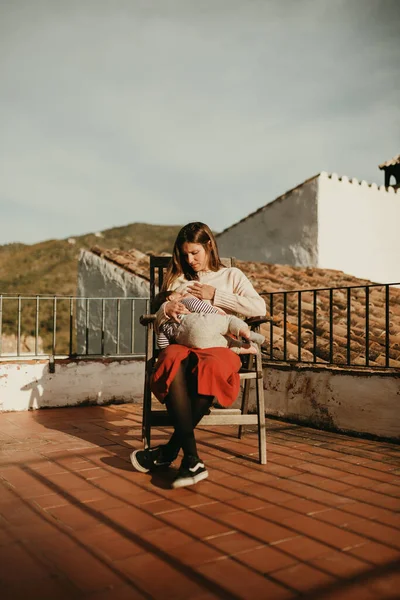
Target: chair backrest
[(158, 267)]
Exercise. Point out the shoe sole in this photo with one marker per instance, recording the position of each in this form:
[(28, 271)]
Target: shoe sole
[(184, 482), (139, 467), (136, 464)]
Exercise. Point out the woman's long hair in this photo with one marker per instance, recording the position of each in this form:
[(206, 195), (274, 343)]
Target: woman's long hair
[(194, 233)]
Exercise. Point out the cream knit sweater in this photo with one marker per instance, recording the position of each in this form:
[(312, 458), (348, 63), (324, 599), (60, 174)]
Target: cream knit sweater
[(233, 293)]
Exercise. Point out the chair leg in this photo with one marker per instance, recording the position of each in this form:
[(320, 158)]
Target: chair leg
[(245, 397), (262, 438), (245, 405), (146, 420)]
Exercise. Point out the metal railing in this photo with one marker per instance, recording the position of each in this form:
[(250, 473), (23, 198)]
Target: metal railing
[(355, 326), (53, 325), (345, 326)]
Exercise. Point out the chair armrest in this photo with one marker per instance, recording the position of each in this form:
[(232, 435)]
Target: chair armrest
[(256, 321), (252, 321), (147, 319)]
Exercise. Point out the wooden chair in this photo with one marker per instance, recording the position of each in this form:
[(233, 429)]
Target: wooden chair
[(251, 370)]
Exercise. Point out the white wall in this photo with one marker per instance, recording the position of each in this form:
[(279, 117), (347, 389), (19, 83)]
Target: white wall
[(359, 228), (98, 277), (348, 401), (282, 232), (29, 384), (326, 222)]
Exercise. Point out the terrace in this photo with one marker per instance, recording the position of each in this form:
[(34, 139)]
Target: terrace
[(320, 521)]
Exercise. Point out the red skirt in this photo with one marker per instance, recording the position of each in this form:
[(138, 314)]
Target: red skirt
[(216, 372)]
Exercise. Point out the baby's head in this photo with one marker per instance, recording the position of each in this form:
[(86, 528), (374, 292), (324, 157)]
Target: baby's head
[(176, 296), (166, 296)]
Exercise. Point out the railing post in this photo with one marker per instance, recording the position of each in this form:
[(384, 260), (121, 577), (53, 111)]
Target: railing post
[(87, 314), (19, 326), (132, 326), (387, 325), (37, 308), (103, 321), (348, 326), (71, 323), (271, 329), (366, 325), (315, 325), (118, 322), (299, 326), (1, 324), (284, 325), (54, 325), (331, 325)]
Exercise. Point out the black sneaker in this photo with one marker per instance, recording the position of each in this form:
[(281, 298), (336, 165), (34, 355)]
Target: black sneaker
[(146, 460), (191, 471)]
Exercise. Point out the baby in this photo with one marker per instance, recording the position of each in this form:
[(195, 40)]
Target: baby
[(205, 327)]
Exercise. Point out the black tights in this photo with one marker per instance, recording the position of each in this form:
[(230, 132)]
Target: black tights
[(186, 408)]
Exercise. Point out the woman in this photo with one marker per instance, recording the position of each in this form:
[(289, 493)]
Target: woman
[(187, 379)]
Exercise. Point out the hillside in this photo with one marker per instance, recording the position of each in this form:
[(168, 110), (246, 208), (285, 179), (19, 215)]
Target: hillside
[(50, 267)]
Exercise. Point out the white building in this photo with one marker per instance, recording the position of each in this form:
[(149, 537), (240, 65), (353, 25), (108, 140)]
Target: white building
[(329, 222)]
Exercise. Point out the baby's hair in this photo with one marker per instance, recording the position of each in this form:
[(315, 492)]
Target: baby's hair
[(159, 300)]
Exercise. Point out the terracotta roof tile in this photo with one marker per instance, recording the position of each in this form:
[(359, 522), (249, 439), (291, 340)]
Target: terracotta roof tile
[(268, 278), (132, 260)]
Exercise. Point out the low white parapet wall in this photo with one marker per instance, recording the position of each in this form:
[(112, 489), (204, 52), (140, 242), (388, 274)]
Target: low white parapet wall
[(29, 384), (348, 400), (352, 401)]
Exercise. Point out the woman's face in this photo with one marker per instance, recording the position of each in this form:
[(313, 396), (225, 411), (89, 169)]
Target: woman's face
[(195, 255)]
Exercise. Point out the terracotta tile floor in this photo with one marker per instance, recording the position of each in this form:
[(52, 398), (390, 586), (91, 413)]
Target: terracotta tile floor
[(320, 521)]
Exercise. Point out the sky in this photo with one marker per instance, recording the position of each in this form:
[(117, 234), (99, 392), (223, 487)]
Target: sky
[(170, 111)]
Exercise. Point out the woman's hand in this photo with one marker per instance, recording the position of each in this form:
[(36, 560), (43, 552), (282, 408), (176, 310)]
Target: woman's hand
[(202, 290), (173, 308)]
